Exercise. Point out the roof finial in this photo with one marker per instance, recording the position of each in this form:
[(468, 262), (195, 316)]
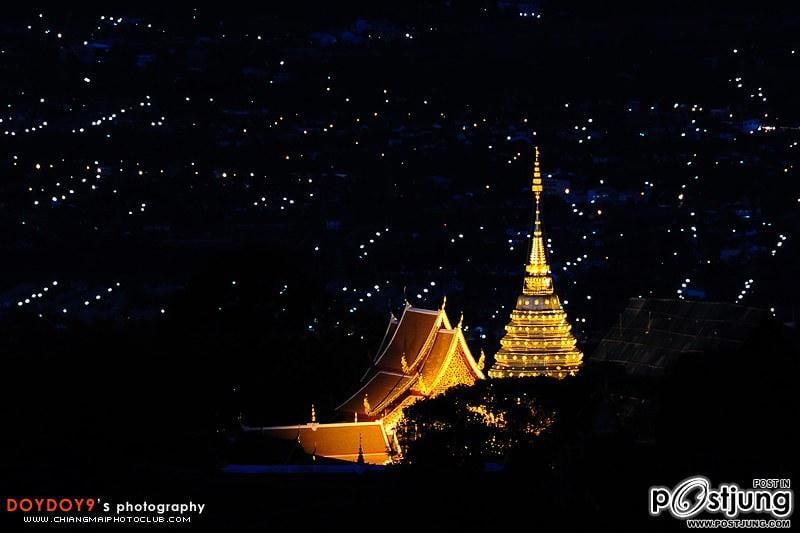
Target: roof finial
[(460, 320), (421, 385), (444, 301), (313, 414), (360, 459), (404, 364), (482, 361), (367, 408)]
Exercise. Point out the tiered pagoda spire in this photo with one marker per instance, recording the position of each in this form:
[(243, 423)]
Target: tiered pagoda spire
[(538, 340)]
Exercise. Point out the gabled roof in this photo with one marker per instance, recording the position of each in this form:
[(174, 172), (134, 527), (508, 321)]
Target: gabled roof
[(471, 362), (414, 329), (445, 340), (387, 337), (381, 389), (427, 342), (653, 334), (337, 441)]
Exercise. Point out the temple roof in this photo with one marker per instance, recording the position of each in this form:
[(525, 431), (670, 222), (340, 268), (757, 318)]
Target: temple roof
[(407, 338), (436, 358), (337, 441), (415, 345), (417, 352), (653, 334), (379, 390), (387, 337)]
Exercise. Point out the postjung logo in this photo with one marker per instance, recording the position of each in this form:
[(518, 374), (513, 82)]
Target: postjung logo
[(695, 495)]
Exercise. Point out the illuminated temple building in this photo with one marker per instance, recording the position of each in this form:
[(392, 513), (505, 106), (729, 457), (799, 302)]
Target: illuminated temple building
[(421, 355), (538, 340)]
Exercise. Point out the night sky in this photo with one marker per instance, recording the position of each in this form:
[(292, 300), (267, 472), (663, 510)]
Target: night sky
[(209, 214)]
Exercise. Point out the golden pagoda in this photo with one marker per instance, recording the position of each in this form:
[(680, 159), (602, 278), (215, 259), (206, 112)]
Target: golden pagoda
[(538, 340)]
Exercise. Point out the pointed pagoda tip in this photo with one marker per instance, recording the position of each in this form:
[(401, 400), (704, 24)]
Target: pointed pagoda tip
[(537, 173), (444, 302), (460, 321)]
